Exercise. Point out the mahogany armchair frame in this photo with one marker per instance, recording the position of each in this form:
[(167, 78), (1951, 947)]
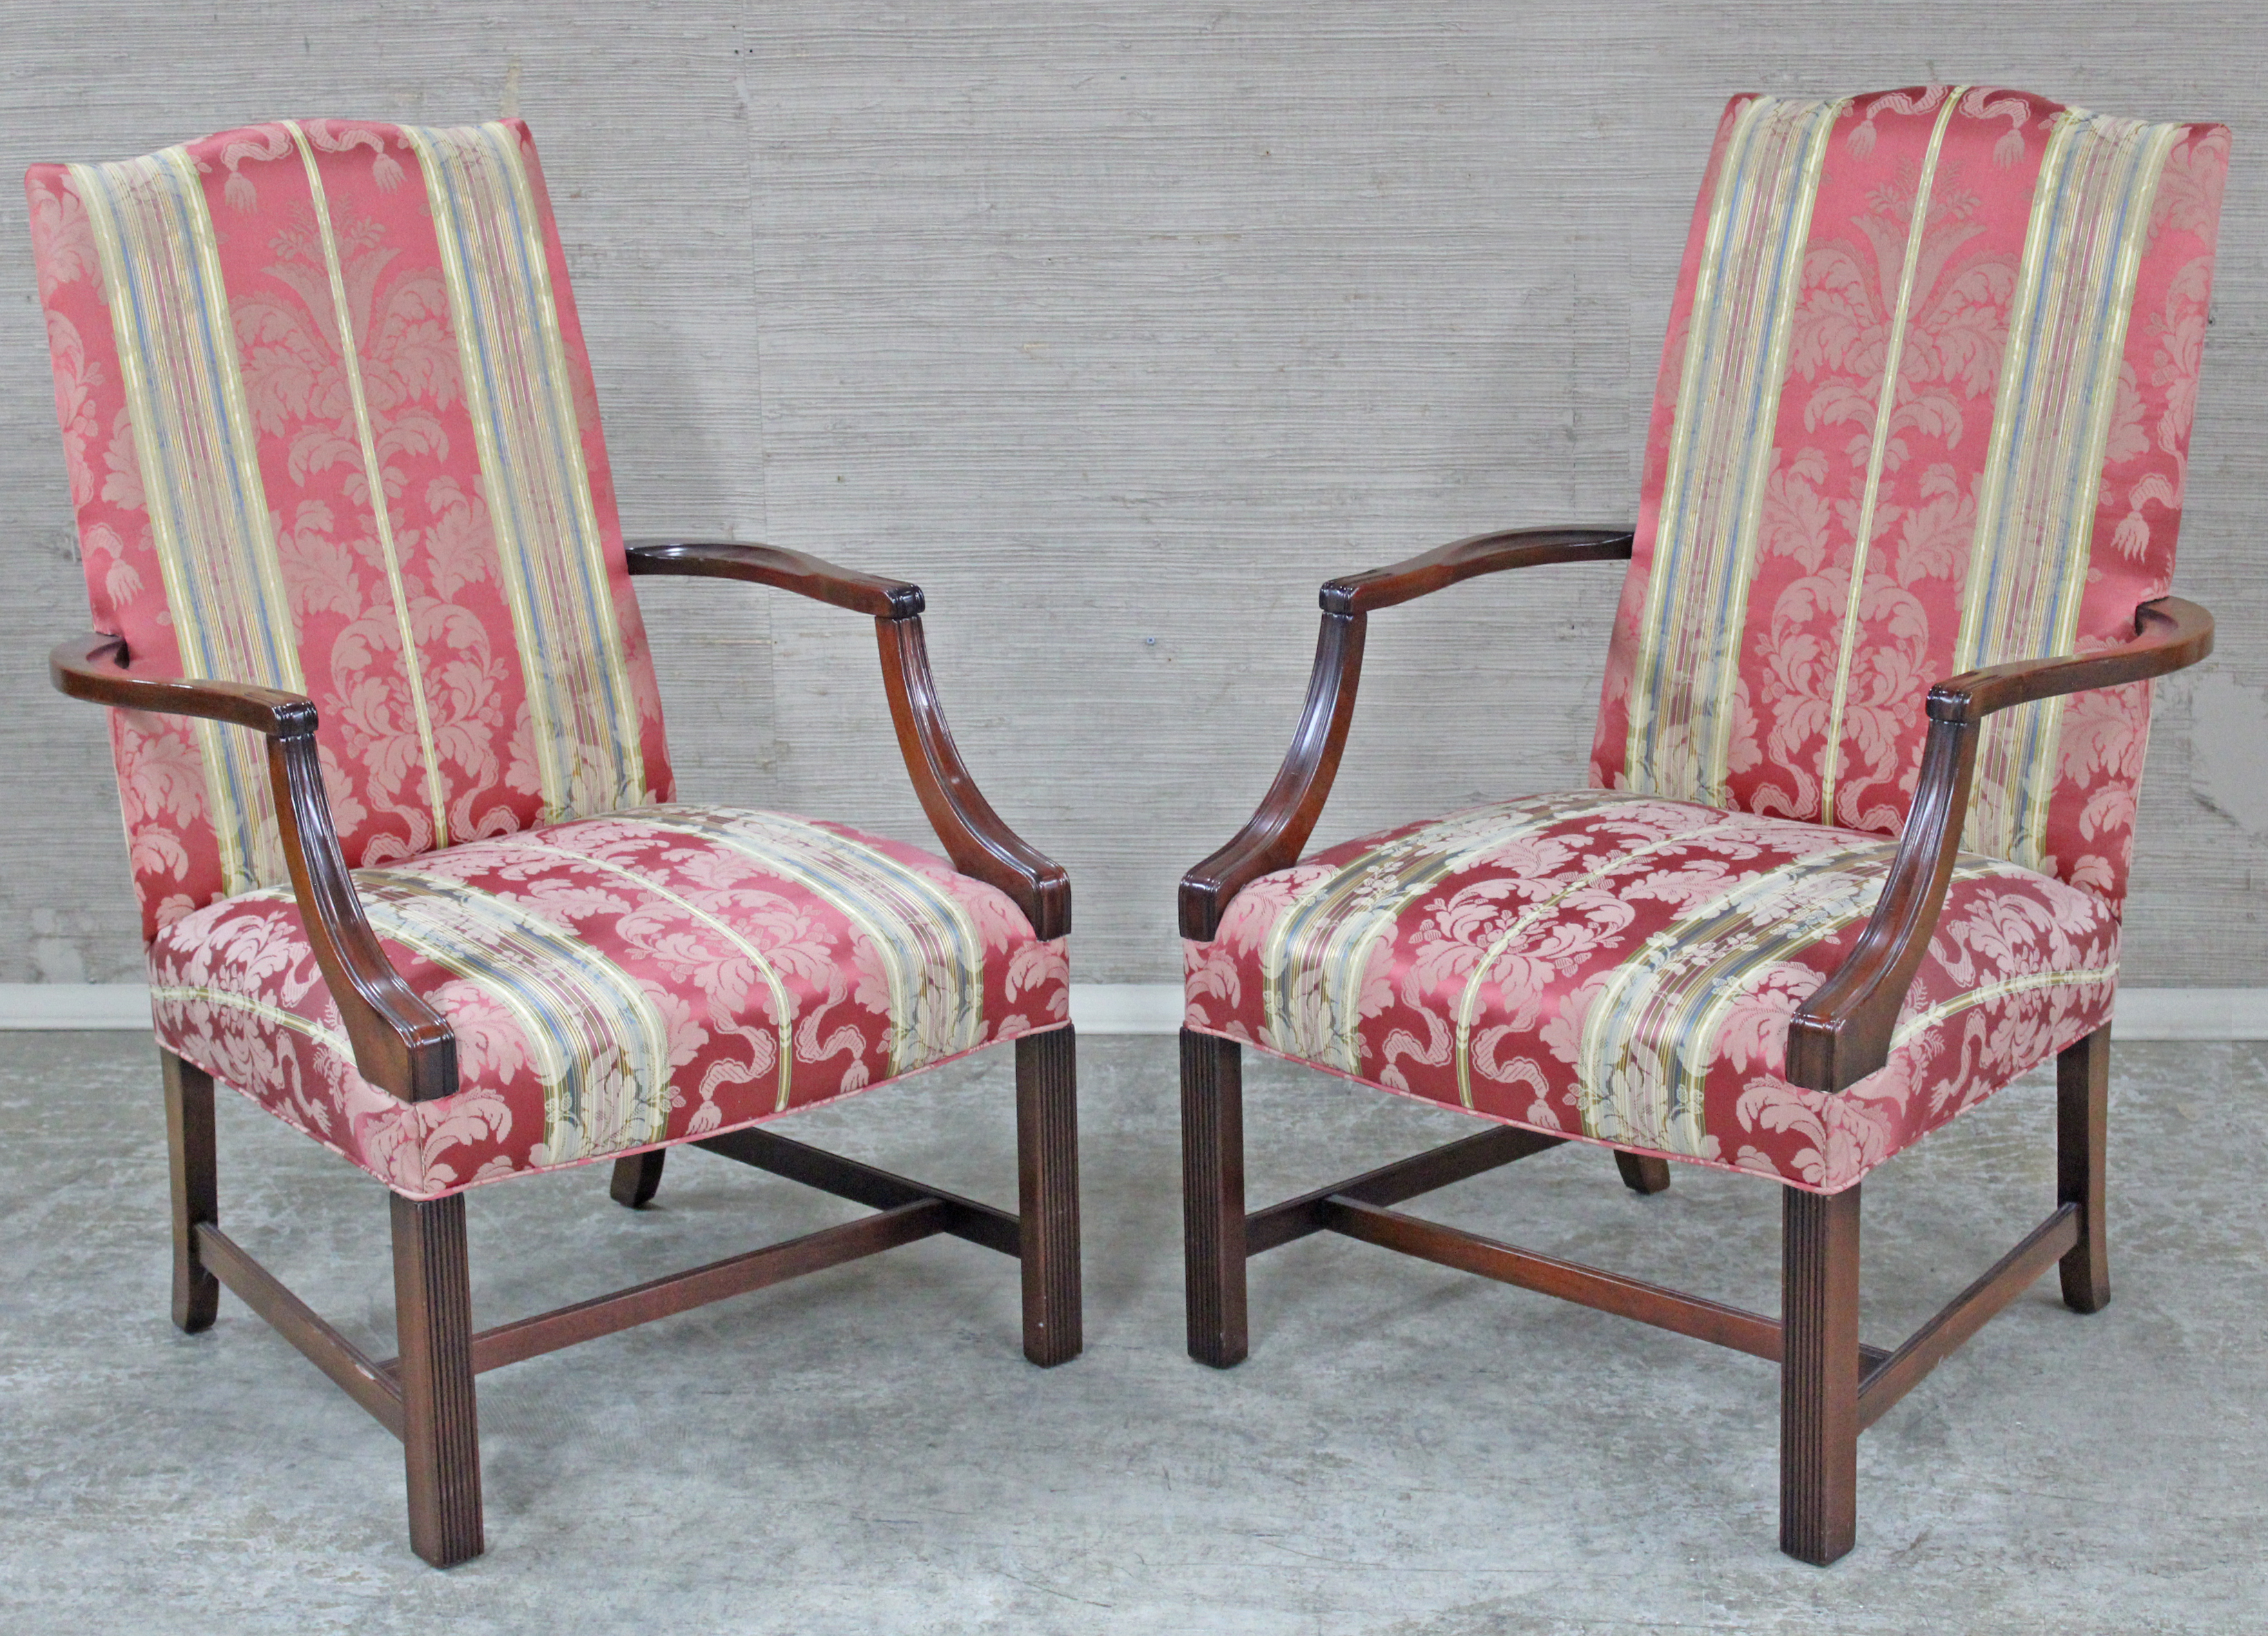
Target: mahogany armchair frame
[(424, 1395), (1832, 1385)]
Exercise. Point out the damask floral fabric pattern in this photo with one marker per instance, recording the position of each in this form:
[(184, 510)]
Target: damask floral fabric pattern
[(1622, 968), (330, 427), (1924, 406), (615, 984)]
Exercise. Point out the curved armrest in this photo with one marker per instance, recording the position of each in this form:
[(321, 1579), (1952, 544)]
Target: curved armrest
[(400, 1044), (975, 837), (980, 844), (1288, 812), (1483, 553), (1842, 1033), (769, 564)]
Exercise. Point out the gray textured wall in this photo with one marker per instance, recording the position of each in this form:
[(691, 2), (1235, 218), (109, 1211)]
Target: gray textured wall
[(1119, 328)]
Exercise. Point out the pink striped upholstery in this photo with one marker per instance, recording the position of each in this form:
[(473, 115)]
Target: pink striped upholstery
[(330, 428)]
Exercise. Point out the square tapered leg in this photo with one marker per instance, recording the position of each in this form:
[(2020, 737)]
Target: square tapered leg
[(1819, 1376), (1047, 1194), (441, 1430), (1212, 1197)]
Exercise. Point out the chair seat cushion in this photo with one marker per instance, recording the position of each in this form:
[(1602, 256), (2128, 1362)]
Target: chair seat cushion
[(1623, 968), (614, 982)]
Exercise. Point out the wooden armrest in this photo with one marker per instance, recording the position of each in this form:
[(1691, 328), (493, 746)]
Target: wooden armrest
[(1842, 1033), (1483, 553), (1287, 815), (809, 575), (400, 1044), (974, 836)]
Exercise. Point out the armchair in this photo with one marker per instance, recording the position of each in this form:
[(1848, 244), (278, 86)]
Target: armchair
[(1922, 414), (396, 785)]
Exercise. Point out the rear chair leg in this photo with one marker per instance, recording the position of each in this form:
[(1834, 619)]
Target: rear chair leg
[(2082, 1131), (440, 1432), (190, 1142), (1819, 1376), (1212, 1197), (1047, 1193), (638, 1179), (1642, 1173)]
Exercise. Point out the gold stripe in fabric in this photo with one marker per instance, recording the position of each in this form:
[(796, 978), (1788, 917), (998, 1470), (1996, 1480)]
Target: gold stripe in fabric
[(1990, 992), (198, 456), (2059, 378), (782, 1012), (601, 1044), (1651, 1036), (1707, 526), (1312, 963), (931, 955), (413, 668), (1885, 404), (187, 994), (519, 394), (1529, 920)]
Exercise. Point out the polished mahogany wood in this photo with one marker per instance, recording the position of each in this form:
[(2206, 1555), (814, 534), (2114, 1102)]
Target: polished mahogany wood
[(440, 1424), (2082, 1135), (195, 1188), (718, 1280), (1842, 1032), (371, 1384), (1390, 1184), (878, 1190), (1819, 1374), (1287, 816), (1643, 1173), (400, 1044), (975, 837), (1047, 1194), (1569, 1280), (1447, 566), (637, 1178), (1212, 1199), (1967, 1313), (799, 572)]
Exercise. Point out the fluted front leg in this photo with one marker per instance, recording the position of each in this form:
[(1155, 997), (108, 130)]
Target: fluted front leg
[(1047, 1191), (441, 1442), (1212, 1197), (1819, 1376)]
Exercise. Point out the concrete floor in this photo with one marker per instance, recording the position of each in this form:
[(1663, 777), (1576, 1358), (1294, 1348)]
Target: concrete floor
[(1408, 1450)]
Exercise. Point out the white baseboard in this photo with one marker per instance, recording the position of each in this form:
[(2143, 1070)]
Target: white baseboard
[(1156, 1008)]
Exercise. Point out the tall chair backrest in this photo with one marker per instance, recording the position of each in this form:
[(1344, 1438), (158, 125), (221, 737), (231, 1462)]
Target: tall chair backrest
[(1924, 406), (330, 428)]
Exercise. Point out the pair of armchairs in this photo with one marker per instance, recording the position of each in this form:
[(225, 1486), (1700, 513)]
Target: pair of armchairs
[(414, 878)]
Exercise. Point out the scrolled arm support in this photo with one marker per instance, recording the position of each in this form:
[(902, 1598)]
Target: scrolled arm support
[(1842, 1033), (974, 837), (979, 841), (1288, 813), (400, 1044)]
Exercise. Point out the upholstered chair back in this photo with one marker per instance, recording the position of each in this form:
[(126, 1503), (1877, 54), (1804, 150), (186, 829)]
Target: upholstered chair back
[(1924, 406), (330, 428)]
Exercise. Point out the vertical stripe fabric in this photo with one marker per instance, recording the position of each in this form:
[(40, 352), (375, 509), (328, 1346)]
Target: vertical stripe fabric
[(331, 429), (521, 400), (199, 469), (2059, 389), (1924, 407), (1736, 360)]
